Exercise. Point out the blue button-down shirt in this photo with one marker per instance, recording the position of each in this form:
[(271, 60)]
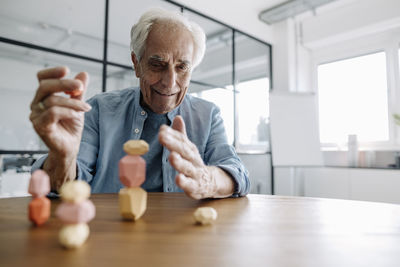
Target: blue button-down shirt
[(117, 117)]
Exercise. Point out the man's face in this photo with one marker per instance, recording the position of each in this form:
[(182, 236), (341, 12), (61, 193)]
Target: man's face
[(165, 67)]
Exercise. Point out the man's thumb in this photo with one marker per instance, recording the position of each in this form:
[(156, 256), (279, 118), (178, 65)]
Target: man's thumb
[(84, 78), (179, 125)]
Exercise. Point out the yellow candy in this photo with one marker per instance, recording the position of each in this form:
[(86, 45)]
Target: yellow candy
[(75, 191), (205, 215), (73, 235), (132, 202), (136, 147)]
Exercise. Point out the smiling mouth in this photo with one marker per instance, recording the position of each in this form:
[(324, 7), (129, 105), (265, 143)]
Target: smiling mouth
[(159, 93)]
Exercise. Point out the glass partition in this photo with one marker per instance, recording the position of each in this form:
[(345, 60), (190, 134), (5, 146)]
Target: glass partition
[(73, 26), (18, 84), (70, 28), (252, 94), (122, 15), (212, 79), (120, 78)]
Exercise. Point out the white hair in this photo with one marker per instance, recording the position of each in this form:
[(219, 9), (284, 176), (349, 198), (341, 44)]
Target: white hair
[(141, 29)]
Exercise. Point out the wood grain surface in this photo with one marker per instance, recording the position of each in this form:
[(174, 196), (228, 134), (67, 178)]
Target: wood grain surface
[(257, 230)]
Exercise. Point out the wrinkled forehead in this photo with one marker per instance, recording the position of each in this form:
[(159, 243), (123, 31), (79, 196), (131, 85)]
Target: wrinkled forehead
[(168, 39)]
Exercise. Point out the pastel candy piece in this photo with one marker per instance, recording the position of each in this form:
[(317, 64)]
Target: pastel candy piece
[(132, 171), (136, 147), (74, 93), (205, 215), (81, 212), (39, 184), (73, 235), (132, 202), (75, 191), (39, 210)]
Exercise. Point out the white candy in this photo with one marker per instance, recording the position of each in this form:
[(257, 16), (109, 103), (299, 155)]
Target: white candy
[(205, 215), (75, 191), (74, 235)]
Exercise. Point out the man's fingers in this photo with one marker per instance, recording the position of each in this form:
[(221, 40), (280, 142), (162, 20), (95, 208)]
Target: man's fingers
[(188, 185), (50, 86), (181, 165), (176, 141), (61, 101), (53, 115), (52, 73), (84, 78), (179, 124)]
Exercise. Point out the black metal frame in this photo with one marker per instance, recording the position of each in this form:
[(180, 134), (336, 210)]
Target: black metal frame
[(104, 61)]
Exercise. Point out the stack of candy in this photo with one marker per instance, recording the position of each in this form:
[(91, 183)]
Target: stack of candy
[(76, 210), (39, 207), (132, 173)]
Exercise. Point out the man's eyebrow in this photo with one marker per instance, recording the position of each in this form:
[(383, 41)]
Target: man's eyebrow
[(161, 59), (156, 58), (187, 62)]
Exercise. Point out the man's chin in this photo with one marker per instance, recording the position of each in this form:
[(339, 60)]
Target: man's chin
[(161, 109)]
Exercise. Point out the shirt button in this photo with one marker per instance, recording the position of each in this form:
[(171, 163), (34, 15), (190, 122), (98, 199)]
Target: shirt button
[(143, 112), (136, 130)]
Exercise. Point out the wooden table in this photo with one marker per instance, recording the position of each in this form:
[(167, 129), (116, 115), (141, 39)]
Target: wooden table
[(256, 230)]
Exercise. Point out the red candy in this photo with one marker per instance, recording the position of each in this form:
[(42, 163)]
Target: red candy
[(132, 170)]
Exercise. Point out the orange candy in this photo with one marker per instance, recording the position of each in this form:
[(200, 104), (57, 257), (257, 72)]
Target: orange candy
[(74, 93), (39, 210)]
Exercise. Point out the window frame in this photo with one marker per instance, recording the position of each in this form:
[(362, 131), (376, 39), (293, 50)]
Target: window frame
[(387, 42)]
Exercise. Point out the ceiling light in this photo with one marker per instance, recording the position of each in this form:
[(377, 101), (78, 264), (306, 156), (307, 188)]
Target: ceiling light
[(289, 9)]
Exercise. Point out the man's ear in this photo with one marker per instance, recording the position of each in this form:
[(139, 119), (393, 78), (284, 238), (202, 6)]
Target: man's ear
[(135, 64)]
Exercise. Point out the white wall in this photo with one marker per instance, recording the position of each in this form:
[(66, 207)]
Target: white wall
[(380, 185)]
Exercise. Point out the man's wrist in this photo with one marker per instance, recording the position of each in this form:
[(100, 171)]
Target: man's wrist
[(60, 169), (224, 183)]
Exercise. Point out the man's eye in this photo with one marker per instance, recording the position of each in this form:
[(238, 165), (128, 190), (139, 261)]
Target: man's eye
[(183, 67), (156, 65)]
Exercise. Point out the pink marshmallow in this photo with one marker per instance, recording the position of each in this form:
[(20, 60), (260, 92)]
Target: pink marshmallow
[(39, 185), (81, 212), (132, 170)]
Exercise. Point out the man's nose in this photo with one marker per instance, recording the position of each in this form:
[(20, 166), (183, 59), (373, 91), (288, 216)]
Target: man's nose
[(168, 78)]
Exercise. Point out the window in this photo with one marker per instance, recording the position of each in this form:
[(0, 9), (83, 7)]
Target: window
[(353, 99), (252, 101)]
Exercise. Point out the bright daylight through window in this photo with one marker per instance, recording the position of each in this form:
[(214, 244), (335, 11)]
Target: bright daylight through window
[(253, 112), (223, 98), (353, 99)]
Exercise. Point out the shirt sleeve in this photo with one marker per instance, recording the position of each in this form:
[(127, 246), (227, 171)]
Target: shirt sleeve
[(220, 153), (88, 150)]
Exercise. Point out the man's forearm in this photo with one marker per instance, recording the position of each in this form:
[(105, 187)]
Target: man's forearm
[(224, 182), (60, 170)]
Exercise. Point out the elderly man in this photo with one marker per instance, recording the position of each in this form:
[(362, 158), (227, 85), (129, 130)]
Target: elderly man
[(192, 155)]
